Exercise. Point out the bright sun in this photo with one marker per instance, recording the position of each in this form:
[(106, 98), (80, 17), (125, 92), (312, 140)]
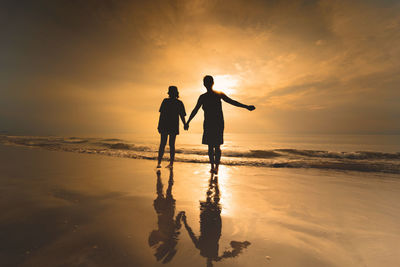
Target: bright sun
[(225, 83)]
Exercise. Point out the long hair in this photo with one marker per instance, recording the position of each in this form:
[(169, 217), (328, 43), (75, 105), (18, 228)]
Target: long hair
[(173, 92)]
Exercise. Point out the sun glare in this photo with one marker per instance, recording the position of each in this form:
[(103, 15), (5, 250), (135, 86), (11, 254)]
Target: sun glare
[(224, 177), (225, 83)]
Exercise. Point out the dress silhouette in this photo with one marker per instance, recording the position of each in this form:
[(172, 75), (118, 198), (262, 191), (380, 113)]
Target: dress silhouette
[(213, 126), (211, 226), (165, 238)]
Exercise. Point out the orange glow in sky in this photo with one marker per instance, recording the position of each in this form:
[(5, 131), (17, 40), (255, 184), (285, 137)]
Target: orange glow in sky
[(226, 83), (104, 67)]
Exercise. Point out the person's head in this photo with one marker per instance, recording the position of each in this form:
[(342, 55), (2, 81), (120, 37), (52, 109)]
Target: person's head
[(208, 81), (173, 92)]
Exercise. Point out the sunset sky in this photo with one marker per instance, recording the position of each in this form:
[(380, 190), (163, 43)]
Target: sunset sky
[(103, 67)]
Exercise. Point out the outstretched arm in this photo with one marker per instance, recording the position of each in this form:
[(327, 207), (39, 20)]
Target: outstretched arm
[(182, 112), (190, 232), (183, 119), (236, 103), (237, 248), (194, 111)]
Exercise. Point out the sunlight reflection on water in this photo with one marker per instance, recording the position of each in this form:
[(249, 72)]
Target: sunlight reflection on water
[(224, 181)]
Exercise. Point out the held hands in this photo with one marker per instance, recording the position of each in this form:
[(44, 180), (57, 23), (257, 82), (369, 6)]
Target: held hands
[(186, 126), (251, 107)]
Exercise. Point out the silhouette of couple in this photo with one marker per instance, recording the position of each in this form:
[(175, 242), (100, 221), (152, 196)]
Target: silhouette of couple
[(164, 240), (213, 127)]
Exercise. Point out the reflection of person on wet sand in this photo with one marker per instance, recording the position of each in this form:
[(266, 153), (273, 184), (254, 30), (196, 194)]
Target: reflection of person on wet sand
[(165, 239), (211, 226), (213, 126)]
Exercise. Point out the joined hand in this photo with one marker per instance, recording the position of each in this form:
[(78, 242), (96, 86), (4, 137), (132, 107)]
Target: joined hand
[(186, 126)]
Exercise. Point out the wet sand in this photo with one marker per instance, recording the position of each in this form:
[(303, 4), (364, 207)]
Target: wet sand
[(68, 209)]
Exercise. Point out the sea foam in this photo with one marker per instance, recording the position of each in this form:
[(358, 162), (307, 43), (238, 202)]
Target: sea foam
[(363, 161)]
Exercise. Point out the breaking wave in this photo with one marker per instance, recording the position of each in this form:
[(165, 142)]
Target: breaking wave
[(364, 161)]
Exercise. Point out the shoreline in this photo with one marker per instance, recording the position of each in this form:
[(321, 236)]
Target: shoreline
[(366, 162)]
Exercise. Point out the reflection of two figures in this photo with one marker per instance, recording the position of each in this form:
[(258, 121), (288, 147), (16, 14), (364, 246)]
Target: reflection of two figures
[(165, 239), (211, 226)]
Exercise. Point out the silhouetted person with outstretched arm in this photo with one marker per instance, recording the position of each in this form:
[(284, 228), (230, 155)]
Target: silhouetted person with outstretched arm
[(213, 126), (211, 227), (168, 124)]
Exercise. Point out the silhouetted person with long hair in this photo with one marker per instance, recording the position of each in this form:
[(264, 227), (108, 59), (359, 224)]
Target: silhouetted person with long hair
[(211, 226), (165, 239), (168, 124), (213, 126)]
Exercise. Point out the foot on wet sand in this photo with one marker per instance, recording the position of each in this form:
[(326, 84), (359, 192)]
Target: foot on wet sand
[(214, 170), (158, 165)]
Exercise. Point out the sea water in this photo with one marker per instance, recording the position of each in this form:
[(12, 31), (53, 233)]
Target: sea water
[(365, 153)]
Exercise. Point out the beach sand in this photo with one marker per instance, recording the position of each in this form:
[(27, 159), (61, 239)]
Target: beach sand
[(70, 209)]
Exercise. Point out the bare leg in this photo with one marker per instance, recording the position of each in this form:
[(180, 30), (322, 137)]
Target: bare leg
[(172, 138), (217, 157), (211, 156), (163, 142)]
